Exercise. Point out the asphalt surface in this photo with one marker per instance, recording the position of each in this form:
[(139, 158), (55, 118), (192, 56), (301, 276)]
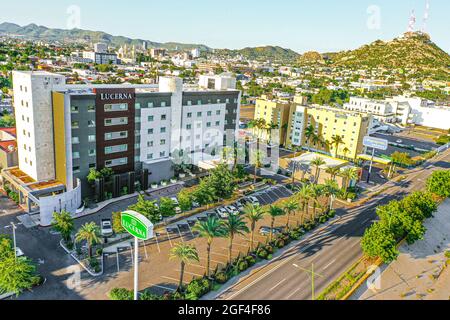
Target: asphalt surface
[(332, 250)]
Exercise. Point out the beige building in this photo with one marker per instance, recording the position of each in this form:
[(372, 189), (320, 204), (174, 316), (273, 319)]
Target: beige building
[(8, 148)]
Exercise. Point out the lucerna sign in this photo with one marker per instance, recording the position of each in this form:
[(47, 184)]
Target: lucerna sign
[(137, 225), (116, 96)]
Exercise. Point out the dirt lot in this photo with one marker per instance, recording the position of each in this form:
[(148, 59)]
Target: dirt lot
[(422, 133), (247, 112)]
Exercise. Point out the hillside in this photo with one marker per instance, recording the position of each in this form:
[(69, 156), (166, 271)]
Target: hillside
[(414, 52), (272, 53), (311, 57), (35, 32)]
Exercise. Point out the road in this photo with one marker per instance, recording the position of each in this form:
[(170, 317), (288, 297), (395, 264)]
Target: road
[(332, 250)]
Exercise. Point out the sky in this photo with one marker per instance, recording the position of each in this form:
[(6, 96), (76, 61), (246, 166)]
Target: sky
[(301, 25)]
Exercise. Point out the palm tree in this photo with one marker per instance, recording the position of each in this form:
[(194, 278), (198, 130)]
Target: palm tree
[(209, 229), (349, 174), (317, 163), (317, 140), (309, 133), (233, 226), (274, 212), (63, 223), (185, 253), (253, 214), (315, 193), (271, 126), (337, 141), (333, 172), (294, 167), (289, 208), (258, 155), (90, 233), (346, 151), (258, 125), (305, 195), (330, 189)]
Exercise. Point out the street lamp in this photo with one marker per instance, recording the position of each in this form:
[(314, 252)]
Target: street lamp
[(312, 274), (14, 227)]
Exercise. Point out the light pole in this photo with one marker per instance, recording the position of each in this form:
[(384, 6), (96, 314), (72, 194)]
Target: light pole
[(14, 227), (371, 164), (312, 274)]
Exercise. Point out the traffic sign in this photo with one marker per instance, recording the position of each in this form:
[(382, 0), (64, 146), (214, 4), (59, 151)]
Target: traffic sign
[(380, 144), (137, 225)]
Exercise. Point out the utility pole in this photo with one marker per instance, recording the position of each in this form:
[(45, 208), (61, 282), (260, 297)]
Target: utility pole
[(312, 275), (371, 164)]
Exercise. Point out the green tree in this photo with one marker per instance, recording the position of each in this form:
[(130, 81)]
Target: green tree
[(330, 190), (63, 223), (117, 223), (90, 233), (304, 195), (93, 175), (205, 193), (310, 132), (253, 214), (274, 212), (167, 207), (232, 227), (379, 241), (209, 229), (439, 183), (16, 275), (223, 182), (333, 172), (185, 200), (147, 208), (336, 141), (348, 175), (185, 254), (289, 208), (317, 163)]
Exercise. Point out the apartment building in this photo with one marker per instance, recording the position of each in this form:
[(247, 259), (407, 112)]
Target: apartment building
[(329, 122), (64, 131)]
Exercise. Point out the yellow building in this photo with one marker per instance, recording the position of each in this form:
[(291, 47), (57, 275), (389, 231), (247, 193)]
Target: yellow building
[(327, 123), (274, 112)]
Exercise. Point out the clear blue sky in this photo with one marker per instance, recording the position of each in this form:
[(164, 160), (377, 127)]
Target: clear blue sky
[(302, 25)]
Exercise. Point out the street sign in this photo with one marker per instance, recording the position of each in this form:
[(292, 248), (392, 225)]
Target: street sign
[(380, 144), (137, 225)]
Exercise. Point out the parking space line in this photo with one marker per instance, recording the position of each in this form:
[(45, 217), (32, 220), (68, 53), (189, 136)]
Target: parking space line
[(219, 254), (235, 250), (172, 279), (162, 287), (179, 232), (191, 273), (170, 241), (157, 243)]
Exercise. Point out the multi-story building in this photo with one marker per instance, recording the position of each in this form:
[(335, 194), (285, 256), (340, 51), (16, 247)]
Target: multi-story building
[(64, 131), (100, 57), (327, 123), (8, 148)]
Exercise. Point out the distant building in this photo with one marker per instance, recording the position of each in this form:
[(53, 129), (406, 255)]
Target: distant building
[(158, 52), (100, 48), (8, 148), (100, 58)]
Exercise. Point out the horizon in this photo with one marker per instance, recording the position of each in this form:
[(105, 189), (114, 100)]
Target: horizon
[(366, 21)]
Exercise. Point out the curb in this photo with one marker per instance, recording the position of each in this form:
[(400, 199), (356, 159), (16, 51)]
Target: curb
[(81, 263)]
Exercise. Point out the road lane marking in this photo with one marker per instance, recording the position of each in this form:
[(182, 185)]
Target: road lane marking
[(278, 284), (292, 294), (328, 265)]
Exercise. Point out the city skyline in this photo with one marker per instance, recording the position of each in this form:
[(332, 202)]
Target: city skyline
[(366, 21)]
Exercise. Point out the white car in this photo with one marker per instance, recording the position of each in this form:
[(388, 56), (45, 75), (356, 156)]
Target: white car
[(239, 205), (223, 213), (232, 210), (107, 228), (399, 141), (175, 200), (254, 201)]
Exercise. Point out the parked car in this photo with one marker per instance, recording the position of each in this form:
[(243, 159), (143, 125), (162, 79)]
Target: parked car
[(239, 205), (178, 210), (254, 201), (175, 200), (107, 229), (222, 212), (232, 210), (195, 204), (265, 231), (399, 141)]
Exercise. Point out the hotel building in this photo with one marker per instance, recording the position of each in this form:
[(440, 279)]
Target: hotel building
[(64, 131)]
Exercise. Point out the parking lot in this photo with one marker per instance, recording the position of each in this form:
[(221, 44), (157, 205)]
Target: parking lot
[(405, 144), (159, 274)]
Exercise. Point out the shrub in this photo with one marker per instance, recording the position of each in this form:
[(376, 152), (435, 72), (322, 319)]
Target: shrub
[(269, 249), (221, 277), (447, 254), (198, 287), (262, 253), (242, 265), (250, 260), (280, 243), (332, 214), (146, 295), (295, 235), (99, 251), (121, 294)]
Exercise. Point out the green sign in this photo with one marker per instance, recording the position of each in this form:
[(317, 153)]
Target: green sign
[(137, 225)]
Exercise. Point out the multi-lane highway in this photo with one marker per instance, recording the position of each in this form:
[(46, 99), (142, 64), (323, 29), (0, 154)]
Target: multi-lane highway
[(332, 250)]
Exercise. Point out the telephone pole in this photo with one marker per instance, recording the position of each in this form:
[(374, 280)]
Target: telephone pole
[(312, 274)]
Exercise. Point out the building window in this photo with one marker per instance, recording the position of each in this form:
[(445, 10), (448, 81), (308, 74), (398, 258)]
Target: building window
[(76, 155), (217, 123), (218, 112), (116, 135), (150, 156), (150, 131), (150, 144), (163, 142), (75, 140), (91, 108), (75, 124), (163, 117), (137, 119), (228, 101), (218, 100), (116, 162), (189, 127), (74, 109), (116, 149), (163, 104), (199, 102), (91, 123), (150, 104), (151, 118), (163, 130), (189, 103), (116, 107), (199, 114), (162, 154), (92, 152), (189, 115), (209, 114), (76, 169), (137, 106), (208, 124)]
